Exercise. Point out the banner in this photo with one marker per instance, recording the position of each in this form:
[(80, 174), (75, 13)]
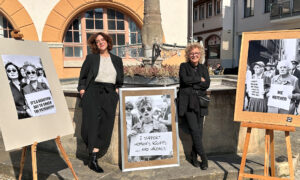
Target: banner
[(278, 96)]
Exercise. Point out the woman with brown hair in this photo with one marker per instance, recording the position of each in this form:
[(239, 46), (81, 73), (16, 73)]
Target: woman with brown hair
[(194, 81), (100, 77)]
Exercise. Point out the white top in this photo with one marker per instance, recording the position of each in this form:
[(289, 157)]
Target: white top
[(107, 72)]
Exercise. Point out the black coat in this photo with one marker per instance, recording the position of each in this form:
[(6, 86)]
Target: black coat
[(297, 74), (190, 79), (90, 70)]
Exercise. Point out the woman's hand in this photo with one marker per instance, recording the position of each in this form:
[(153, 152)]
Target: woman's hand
[(202, 79), (117, 90), (81, 92)]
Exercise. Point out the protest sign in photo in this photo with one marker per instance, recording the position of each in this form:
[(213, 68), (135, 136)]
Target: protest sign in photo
[(149, 129)]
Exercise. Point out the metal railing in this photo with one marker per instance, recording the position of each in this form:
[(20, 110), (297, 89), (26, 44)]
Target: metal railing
[(284, 9)]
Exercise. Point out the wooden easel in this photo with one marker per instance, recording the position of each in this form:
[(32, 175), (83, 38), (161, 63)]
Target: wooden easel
[(269, 146), (33, 156)]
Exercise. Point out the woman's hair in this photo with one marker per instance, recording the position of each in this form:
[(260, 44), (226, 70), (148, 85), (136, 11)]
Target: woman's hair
[(142, 101), (192, 46), (93, 45), (288, 64), (17, 68)]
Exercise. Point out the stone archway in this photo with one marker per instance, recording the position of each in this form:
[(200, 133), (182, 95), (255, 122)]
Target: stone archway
[(17, 15), (65, 10)]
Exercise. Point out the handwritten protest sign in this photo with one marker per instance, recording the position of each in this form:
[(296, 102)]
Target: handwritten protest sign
[(149, 144), (40, 103), (278, 96), (256, 88)]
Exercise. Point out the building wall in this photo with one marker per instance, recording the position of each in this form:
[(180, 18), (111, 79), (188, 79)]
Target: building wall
[(47, 21), (259, 22), (174, 21)]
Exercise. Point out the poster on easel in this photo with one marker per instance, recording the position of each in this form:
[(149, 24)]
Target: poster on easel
[(32, 102), (268, 89), (149, 133)]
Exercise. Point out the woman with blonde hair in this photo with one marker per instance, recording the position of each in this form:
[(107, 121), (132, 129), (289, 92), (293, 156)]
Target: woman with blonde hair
[(194, 81)]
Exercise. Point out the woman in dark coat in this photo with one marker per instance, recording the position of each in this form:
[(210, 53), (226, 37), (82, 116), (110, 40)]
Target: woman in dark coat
[(14, 76), (100, 77), (194, 81)]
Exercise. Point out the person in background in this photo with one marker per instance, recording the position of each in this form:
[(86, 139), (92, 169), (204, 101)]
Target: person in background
[(100, 77), (194, 81), (42, 76), (14, 77), (218, 69), (295, 72), (268, 71)]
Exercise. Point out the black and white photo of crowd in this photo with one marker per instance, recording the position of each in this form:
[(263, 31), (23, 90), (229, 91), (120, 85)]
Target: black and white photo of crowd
[(25, 75), (147, 114), (272, 77)]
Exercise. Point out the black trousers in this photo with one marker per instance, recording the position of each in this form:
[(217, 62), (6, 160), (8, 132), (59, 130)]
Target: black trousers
[(195, 123), (98, 114)]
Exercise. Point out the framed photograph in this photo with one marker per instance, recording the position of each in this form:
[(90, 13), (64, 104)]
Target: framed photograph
[(33, 106), (149, 132), (268, 89)]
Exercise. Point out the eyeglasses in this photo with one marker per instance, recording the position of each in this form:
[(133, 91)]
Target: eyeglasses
[(32, 72), (129, 109), (195, 54), (99, 41), (11, 70), (148, 109)]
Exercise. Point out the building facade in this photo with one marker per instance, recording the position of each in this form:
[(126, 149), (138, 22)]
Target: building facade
[(213, 25), (67, 24), (263, 15)]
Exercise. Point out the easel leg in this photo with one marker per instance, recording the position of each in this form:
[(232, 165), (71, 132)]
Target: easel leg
[(22, 162), (244, 157), (58, 142), (33, 156), (272, 153), (267, 151), (289, 153)]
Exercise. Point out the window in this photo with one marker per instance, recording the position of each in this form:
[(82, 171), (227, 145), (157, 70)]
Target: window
[(120, 27), (209, 9), (5, 27), (201, 12), (248, 8), (195, 14), (217, 7), (213, 47), (267, 6)]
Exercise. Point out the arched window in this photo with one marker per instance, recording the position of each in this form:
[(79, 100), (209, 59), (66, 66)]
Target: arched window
[(213, 47), (5, 27), (125, 33)]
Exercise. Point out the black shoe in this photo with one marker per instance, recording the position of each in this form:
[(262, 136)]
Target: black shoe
[(93, 164), (194, 160), (204, 162)]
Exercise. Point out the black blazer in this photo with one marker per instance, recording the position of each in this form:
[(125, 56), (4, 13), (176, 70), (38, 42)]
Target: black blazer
[(190, 79), (297, 74), (90, 68)]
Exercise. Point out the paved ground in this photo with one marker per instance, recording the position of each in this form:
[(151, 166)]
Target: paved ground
[(52, 167)]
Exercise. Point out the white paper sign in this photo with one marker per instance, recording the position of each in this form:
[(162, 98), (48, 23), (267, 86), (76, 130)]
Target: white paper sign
[(40, 103), (278, 96), (256, 88), (149, 144)]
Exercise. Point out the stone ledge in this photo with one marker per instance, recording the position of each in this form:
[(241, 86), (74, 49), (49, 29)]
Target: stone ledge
[(282, 165)]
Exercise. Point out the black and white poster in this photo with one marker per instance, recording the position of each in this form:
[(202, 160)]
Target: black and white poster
[(29, 85), (33, 105), (149, 129), (272, 76)]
